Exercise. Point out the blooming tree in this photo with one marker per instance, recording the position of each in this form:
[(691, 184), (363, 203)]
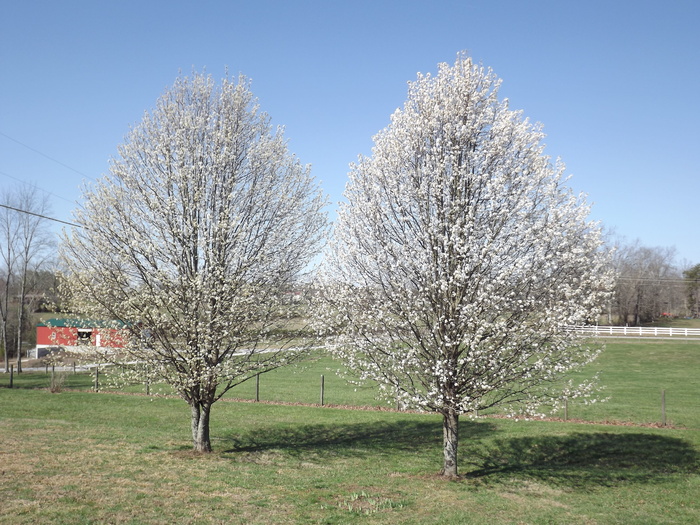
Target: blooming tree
[(194, 242), (460, 257)]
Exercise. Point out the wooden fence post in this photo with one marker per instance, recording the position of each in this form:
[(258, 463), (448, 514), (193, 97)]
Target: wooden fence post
[(12, 374), (97, 378), (257, 387)]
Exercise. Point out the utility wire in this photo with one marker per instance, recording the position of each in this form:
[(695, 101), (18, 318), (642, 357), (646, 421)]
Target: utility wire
[(48, 192), (654, 279), (37, 187), (46, 156), (40, 216)]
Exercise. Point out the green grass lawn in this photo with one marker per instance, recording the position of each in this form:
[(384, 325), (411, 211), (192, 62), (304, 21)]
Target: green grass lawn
[(80, 457), (636, 371), (633, 372)]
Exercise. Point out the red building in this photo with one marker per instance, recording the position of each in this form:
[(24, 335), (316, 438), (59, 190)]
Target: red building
[(80, 332)]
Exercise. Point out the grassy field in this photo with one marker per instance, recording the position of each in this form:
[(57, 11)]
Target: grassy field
[(80, 457), (633, 372)]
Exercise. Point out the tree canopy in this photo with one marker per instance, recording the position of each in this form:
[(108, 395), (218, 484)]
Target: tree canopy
[(195, 239), (460, 257)]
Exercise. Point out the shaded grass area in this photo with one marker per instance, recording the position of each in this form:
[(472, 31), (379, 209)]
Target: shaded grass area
[(587, 459), (78, 457)]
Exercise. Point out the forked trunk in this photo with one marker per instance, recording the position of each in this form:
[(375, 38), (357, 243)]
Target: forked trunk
[(200, 427), (450, 433)]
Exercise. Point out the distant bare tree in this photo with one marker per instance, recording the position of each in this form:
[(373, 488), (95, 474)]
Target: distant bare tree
[(645, 282), (34, 243), (8, 235), (692, 286), (25, 246)]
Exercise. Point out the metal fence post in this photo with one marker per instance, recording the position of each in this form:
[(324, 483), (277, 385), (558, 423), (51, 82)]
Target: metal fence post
[(663, 408), (322, 388)]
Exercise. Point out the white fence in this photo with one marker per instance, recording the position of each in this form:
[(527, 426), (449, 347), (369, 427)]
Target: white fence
[(637, 331)]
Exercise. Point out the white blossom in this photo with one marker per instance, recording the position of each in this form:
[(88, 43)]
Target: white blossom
[(460, 255), (203, 223)]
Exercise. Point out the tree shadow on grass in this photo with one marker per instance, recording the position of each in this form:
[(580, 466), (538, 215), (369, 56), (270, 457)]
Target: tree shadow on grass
[(580, 460), (409, 436), (586, 460)]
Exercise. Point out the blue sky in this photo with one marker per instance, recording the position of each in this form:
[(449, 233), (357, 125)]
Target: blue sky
[(615, 83)]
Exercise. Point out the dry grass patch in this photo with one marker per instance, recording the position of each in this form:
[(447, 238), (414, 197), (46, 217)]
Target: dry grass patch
[(533, 493), (85, 480)]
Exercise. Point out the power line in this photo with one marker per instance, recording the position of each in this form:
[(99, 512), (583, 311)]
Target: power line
[(48, 192), (653, 279), (46, 156), (37, 187), (40, 216)]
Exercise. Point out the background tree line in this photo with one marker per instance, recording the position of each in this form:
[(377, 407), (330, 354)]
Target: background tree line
[(651, 285)]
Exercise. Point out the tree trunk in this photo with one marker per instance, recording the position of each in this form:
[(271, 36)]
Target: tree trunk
[(21, 313), (637, 308), (200, 427), (4, 309), (450, 432), (20, 322), (4, 351)]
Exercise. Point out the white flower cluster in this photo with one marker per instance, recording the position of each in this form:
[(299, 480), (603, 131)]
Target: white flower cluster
[(461, 254), (195, 237)]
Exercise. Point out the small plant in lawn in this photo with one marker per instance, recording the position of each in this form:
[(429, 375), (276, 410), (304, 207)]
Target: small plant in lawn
[(366, 503), (57, 382)]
